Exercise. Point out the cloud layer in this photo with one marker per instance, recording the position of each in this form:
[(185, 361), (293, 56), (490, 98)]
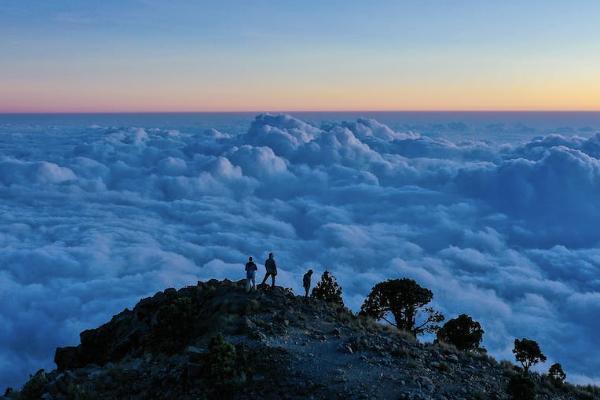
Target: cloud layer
[(93, 221)]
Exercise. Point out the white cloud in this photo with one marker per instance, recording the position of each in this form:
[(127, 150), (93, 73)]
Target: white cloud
[(504, 232)]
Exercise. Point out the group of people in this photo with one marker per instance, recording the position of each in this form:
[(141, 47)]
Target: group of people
[(271, 270)]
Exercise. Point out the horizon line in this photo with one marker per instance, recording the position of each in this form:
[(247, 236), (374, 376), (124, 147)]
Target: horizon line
[(303, 111)]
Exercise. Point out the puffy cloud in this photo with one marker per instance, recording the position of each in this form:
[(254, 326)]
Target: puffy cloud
[(95, 218), (259, 162), (283, 133), (561, 182), (18, 172)]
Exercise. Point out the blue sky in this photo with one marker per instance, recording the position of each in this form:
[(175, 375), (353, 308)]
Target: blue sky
[(269, 55)]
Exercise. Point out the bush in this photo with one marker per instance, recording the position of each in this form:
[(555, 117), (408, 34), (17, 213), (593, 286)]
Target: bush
[(76, 392), (34, 388), (174, 325), (221, 360), (528, 353), (328, 289), (462, 332), (225, 367), (557, 375), (521, 387), (405, 300)]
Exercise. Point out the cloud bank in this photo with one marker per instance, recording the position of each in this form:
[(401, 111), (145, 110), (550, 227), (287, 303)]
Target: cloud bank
[(504, 232)]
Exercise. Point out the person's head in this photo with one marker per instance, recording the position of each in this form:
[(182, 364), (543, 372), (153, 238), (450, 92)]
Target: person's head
[(270, 255), (250, 258), (310, 271)]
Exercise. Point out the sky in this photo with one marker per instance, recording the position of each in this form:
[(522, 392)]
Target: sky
[(150, 55)]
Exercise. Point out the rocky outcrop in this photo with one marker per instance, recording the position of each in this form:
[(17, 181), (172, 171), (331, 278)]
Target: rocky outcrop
[(214, 340)]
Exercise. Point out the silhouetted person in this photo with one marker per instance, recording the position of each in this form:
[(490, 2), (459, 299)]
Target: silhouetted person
[(306, 281), (271, 270), (250, 275)]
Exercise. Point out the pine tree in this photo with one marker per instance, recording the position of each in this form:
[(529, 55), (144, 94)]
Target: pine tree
[(328, 289)]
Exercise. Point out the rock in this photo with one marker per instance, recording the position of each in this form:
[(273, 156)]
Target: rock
[(345, 348), (194, 353), (452, 358), (194, 370), (67, 358), (64, 380), (258, 335)]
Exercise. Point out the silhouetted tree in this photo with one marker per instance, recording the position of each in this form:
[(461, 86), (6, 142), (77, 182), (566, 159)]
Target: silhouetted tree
[(404, 299), (528, 353), (328, 289), (521, 387), (462, 332), (556, 374)]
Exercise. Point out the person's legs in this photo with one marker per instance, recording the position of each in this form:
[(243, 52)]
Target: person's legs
[(248, 279), (306, 291), (254, 281), (265, 278), (272, 280)]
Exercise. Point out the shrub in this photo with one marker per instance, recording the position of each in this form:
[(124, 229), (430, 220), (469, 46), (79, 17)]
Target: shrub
[(557, 375), (405, 300), (225, 366), (174, 325), (328, 289), (462, 332), (76, 392), (521, 387), (220, 360), (528, 353), (34, 388)]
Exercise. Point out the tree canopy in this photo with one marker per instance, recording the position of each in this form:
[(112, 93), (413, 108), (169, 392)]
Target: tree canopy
[(405, 300), (463, 332), (528, 353), (556, 374), (328, 289)]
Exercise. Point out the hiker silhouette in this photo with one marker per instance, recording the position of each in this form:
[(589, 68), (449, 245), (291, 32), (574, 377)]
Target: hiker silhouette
[(250, 275), (271, 268), (306, 281)]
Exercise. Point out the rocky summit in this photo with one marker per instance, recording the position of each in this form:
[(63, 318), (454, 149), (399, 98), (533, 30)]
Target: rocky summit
[(215, 341)]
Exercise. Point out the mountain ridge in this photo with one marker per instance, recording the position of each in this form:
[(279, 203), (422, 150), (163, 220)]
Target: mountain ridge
[(214, 340)]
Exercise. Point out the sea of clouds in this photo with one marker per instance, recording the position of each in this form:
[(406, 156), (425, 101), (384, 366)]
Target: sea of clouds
[(93, 221)]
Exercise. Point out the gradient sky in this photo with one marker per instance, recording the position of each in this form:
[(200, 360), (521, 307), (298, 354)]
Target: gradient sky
[(151, 55)]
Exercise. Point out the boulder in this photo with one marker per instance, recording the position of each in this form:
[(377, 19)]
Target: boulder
[(68, 358)]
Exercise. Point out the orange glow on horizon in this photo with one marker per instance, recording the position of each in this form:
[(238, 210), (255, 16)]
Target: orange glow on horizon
[(379, 96)]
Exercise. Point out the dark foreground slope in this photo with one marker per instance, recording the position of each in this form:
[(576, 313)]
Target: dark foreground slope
[(275, 346)]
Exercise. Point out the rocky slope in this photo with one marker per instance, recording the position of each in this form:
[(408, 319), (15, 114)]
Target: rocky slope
[(214, 340)]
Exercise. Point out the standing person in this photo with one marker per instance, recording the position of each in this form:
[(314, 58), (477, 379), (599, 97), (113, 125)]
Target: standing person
[(250, 275), (271, 270), (306, 281)]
